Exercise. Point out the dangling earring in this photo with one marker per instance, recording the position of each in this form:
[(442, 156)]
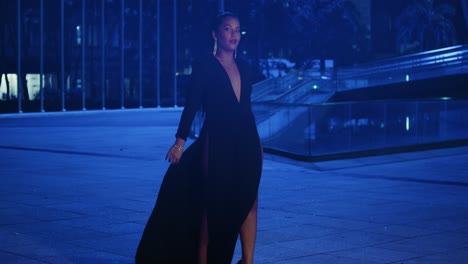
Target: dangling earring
[(215, 48), (235, 54)]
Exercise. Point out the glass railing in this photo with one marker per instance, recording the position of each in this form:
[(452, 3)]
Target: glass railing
[(273, 88), (311, 91), (429, 64), (328, 129)]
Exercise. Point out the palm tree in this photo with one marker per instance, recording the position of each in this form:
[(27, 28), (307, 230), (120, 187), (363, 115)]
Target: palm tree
[(424, 26), (330, 29), (464, 4)]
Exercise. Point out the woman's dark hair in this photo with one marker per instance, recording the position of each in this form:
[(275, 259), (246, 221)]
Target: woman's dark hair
[(218, 20)]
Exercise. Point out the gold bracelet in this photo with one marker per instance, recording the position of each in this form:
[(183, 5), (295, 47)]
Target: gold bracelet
[(178, 148)]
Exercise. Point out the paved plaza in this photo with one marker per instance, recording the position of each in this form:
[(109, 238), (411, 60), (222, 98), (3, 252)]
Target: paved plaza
[(78, 187)]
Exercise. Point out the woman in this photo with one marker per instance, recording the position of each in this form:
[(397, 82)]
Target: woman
[(209, 193)]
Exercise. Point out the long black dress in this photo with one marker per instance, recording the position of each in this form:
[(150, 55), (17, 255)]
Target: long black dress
[(218, 175)]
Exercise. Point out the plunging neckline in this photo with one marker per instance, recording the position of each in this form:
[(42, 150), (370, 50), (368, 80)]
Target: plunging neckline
[(238, 100)]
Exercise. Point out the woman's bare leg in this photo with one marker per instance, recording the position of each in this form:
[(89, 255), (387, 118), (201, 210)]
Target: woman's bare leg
[(248, 234)]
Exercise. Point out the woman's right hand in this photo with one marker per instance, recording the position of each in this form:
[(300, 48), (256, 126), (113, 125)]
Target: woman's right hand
[(175, 151)]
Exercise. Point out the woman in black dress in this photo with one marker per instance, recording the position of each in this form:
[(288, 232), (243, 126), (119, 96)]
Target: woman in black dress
[(209, 194)]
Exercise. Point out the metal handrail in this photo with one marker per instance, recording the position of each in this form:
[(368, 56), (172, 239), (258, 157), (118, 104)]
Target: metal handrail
[(429, 64), (417, 61)]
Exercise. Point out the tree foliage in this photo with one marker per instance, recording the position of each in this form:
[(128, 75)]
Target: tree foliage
[(423, 25), (309, 29)]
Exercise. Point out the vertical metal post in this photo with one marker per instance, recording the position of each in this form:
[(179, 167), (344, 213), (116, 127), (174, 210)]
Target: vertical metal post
[(350, 132), (175, 52), (62, 52), (122, 54), (41, 75), (83, 55), (140, 70), (385, 124), (416, 124), (309, 136), (221, 5), (19, 76), (443, 122), (103, 55), (158, 53)]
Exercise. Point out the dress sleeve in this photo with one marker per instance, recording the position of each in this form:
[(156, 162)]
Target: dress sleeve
[(193, 101)]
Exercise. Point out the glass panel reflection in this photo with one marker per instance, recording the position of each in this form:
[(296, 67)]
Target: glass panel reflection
[(327, 129)]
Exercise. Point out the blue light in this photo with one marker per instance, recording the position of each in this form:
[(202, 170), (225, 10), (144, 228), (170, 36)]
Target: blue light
[(315, 87)]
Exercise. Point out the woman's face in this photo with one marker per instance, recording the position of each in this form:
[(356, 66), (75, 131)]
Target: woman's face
[(228, 34)]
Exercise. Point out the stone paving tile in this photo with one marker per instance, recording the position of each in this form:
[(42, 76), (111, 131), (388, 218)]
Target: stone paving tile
[(463, 229), (6, 205), (41, 249), (323, 259), (339, 223), (91, 222), (276, 222), (13, 238), (293, 233), (69, 234), (456, 256), (274, 253), (120, 228), (452, 224), (52, 231), (426, 168), (96, 257), (401, 230), (364, 210), (123, 245), (11, 258), (48, 214), (335, 242), (137, 218), (268, 237), (15, 219), (274, 219), (429, 244), (32, 198), (83, 209), (374, 254)]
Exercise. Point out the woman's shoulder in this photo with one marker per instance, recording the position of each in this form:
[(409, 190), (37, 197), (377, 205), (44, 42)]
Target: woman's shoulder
[(200, 66), (203, 61)]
